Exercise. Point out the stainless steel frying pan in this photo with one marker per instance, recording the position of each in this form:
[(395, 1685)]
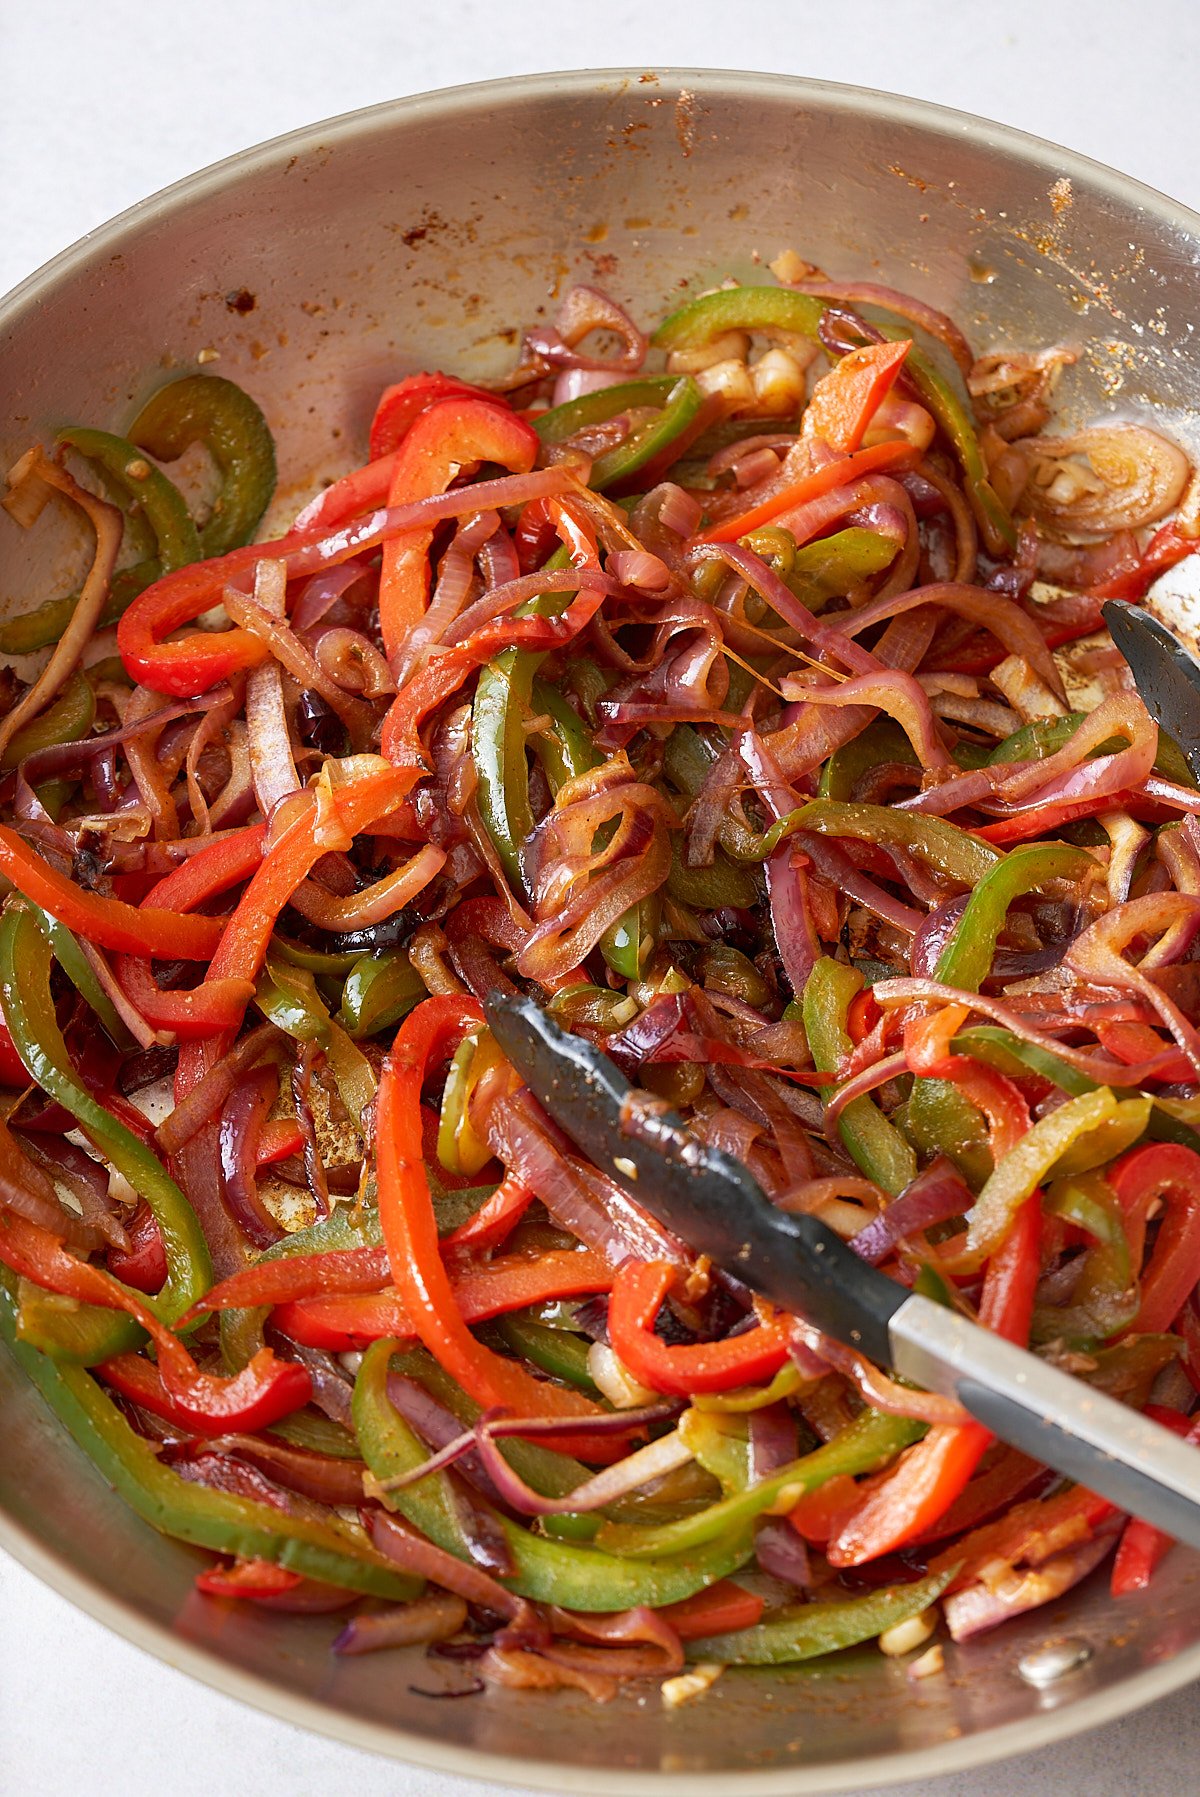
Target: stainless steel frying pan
[(422, 233)]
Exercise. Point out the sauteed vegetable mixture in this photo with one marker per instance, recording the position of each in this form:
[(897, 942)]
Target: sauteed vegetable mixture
[(738, 692)]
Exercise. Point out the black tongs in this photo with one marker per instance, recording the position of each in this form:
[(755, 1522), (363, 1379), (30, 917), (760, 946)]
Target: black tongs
[(1167, 675), (713, 1203)]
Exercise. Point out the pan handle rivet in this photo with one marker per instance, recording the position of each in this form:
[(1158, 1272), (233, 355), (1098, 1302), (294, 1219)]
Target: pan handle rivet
[(1044, 1666)]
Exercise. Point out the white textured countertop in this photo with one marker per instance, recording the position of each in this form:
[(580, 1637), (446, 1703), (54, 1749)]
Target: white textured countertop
[(101, 104)]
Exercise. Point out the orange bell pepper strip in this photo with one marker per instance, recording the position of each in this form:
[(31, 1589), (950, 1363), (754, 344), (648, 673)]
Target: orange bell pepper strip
[(908, 1499), (451, 434), (638, 1292), (410, 1232), (900, 454), (107, 922), (260, 1394), (845, 400)]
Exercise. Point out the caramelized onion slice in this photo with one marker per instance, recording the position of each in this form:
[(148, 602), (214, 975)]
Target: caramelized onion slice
[(1112, 477)]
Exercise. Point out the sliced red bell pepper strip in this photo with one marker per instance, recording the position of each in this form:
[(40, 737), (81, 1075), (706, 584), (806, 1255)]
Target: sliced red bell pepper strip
[(12, 1068), (812, 486), (1166, 1173), (495, 1219), (997, 1487), (144, 1267), (216, 1004), (1167, 547), (927, 1050), (211, 871), (364, 489), (191, 1015), (845, 400), (263, 1392), (1142, 1545), (910, 1497), (401, 405), (449, 435), (248, 931), (140, 1380), (410, 1231), (419, 697), (718, 1610), (247, 1578), (821, 1513), (511, 1282), (1028, 1533), (281, 1137), (108, 922), (639, 1289)]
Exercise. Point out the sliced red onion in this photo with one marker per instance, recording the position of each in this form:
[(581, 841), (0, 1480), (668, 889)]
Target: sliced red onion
[(318, 1476), (678, 512), (434, 1617), (592, 1207), (616, 1481), (323, 591), (772, 1440), (937, 1194), (935, 932), (782, 1553), (635, 568), (583, 311), (881, 1392), (979, 1607), (573, 383), (238, 1137), (413, 1553)]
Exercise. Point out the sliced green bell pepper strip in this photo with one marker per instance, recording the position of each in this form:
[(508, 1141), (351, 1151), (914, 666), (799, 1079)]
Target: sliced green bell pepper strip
[(143, 489), (81, 974), (721, 1445), (781, 308), (380, 989), (941, 845), (90, 1334), (723, 882), (330, 1550), (806, 1632), (504, 696), (556, 1351), (869, 1442), (576, 1576), (874, 1144), (881, 742), (649, 440), (287, 996), (69, 718), (1046, 736), (1025, 1167), (205, 408), (1007, 1053), (561, 422), (498, 743), (939, 1118), (966, 959)]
